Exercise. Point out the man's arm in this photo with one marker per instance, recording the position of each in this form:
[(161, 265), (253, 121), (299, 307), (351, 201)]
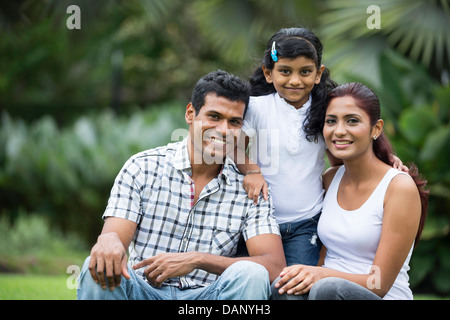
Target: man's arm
[(109, 254), (265, 249)]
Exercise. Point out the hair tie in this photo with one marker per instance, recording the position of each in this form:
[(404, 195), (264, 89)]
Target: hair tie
[(273, 53)]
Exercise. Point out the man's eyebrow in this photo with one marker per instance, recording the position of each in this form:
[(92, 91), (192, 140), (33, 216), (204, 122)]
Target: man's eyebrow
[(220, 114)]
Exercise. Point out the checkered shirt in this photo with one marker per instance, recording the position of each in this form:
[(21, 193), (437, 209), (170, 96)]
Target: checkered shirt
[(154, 189)]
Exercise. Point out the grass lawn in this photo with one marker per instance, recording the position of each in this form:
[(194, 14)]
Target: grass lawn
[(35, 287), (46, 287)]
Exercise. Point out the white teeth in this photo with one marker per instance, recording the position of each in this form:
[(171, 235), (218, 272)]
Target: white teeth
[(213, 139), (342, 142)]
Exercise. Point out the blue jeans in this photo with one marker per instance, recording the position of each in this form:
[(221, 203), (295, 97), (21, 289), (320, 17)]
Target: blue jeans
[(330, 289), (243, 280), (301, 244), (300, 241)]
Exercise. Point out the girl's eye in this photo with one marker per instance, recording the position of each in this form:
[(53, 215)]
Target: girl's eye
[(306, 72), (330, 121), (353, 121), (285, 71)]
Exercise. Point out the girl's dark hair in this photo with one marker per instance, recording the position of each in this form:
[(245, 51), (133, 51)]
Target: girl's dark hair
[(292, 43), (368, 101)]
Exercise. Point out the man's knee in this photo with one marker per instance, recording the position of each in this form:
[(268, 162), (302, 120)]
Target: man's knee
[(248, 280), (249, 271)]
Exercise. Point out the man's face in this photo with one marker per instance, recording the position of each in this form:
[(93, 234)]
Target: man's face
[(215, 129)]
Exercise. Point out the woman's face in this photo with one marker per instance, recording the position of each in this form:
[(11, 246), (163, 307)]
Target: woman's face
[(347, 130), (294, 79)]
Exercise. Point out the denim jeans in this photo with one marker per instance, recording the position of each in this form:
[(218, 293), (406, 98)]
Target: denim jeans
[(243, 280), (330, 289), (301, 244), (300, 241)]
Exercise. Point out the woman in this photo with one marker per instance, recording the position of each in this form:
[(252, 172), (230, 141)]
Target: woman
[(372, 216)]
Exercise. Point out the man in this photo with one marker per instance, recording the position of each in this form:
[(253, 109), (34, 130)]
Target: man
[(180, 209)]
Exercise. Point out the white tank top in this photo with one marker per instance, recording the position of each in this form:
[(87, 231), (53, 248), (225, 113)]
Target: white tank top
[(351, 237)]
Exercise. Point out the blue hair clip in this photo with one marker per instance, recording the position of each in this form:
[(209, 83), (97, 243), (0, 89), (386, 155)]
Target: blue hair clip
[(273, 53)]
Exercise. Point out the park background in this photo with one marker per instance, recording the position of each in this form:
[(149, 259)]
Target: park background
[(75, 104)]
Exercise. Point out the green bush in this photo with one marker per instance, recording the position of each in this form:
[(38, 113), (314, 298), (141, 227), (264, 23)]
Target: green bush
[(67, 174)]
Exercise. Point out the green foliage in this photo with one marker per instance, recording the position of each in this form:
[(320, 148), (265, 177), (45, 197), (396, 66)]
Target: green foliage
[(67, 173)]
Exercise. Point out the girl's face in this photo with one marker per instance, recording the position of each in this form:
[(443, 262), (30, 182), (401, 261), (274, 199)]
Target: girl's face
[(294, 79), (347, 130)]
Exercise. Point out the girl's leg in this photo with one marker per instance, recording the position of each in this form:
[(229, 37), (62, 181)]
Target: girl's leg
[(300, 242)]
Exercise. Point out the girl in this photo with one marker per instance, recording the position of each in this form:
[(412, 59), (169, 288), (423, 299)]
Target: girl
[(372, 215), (284, 119)]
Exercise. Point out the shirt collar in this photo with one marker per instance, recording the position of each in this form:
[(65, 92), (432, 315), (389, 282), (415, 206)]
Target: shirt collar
[(182, 162), (290, 107)]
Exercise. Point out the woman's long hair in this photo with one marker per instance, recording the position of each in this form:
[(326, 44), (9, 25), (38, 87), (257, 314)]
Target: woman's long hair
[(292, 43), (367, 100)]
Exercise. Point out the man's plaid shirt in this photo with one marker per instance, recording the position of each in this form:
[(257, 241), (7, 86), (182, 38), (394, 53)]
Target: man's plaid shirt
[(154, 189)]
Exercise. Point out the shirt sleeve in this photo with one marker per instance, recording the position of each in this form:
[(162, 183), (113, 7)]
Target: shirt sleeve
[(251, 120), (125, 198), (260, 220)]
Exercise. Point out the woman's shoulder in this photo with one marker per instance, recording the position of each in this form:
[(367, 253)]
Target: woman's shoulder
[(402, 183)]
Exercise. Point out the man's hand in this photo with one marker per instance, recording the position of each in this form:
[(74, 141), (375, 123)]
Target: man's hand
[(168, 265), (108, 258)]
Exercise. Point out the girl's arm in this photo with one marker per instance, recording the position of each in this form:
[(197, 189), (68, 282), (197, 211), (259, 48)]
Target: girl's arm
[(400, 223), (254, 182)]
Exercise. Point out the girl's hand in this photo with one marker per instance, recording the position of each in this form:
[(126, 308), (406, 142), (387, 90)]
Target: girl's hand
[(298, 279), (398, 164), (254, 184)]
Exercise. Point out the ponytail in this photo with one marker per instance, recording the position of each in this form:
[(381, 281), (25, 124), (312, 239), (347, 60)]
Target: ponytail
[(316, 115), (383, 151), (258, 84)]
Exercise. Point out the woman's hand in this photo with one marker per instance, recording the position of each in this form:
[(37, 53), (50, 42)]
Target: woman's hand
[(298, 279)]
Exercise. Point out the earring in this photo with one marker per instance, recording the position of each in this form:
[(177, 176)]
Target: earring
[(375, 137)]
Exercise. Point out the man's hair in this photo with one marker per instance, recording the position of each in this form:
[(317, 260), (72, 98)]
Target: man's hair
[(222, 84)]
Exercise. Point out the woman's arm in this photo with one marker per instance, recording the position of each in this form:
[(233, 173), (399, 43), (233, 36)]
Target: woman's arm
[(400, 223)]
